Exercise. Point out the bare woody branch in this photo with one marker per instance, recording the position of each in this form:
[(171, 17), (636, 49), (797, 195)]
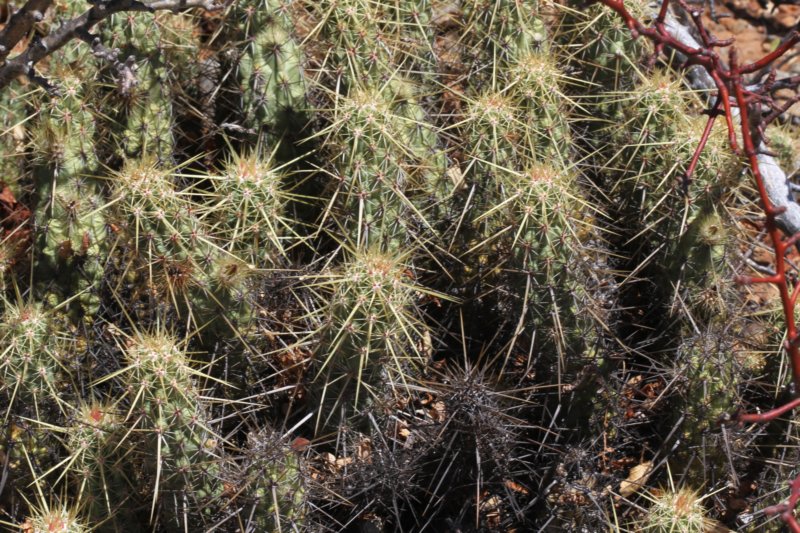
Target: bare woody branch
[(21, 22), (20, 25)]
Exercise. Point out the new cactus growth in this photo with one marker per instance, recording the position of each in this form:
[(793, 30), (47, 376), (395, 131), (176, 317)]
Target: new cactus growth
[(55, 517), (672, 510)]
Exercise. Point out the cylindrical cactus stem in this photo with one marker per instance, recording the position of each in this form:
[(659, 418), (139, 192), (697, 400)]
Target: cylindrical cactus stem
[(31, 365), (372, 331), (63, 133), (177, 444), (158, 213), (529, 232), (174, 239), (542, 229), (711, 370), (97, 443), (270, 69), (13, 120), (518, 116), (271, 480), (251, 208), (344, 35), (699, 267), (386, 161), (74, 244), (505, 30), (69, 224), (650, 158), (602, 46), (147, 89), (25, 449)]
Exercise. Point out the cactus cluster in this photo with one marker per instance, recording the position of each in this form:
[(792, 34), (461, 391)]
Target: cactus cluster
[(396, 266)]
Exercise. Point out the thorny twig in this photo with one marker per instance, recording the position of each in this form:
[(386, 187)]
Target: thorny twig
[(752, 102), (20, 24)]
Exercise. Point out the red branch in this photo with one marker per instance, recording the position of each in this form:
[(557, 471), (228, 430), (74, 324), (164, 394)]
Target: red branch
[(750, 97)]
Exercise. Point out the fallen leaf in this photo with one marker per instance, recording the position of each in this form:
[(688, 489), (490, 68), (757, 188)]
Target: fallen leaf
[(6, 196), (300, 444), (637, 477), (516, 487), (456, 176), (438, 411)]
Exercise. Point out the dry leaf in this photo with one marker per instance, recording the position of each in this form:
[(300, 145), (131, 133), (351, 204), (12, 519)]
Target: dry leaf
[(344, 461), (6, 196), (456, 176), (300, 444), (438, 411), (329, 458), (516, 487), (637, 477), (364, 449)]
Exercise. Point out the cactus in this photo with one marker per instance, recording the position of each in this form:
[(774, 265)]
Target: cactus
[(675, 510), (68, 217), (530, 224), (602, 45), (388, 163), (55, 517), (97, 446), (344, 30), (175, 249), (453, 243), (24, 449), (13, 119), (271, 481), (251, 212), (177, 443), (270, 68), (371, 332), (32, 364), (147, 89)]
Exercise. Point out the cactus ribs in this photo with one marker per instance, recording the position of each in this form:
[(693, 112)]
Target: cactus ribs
[(746, 90)]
